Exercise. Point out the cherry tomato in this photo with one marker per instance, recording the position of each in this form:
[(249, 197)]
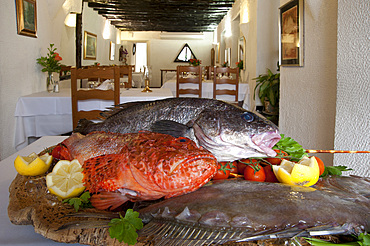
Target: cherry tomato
[(254, 172), (277, 160), (242, 164), (269, 173), (321, 165), (234, 167), (223, 171)]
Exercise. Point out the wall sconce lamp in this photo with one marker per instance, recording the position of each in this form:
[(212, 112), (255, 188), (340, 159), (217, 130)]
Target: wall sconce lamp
[(70, 19)]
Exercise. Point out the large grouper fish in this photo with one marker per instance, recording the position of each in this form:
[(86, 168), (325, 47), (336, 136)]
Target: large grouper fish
[(227, 131)]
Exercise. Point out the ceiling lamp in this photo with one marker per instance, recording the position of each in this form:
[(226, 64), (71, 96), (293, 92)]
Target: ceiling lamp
[(70, 20)]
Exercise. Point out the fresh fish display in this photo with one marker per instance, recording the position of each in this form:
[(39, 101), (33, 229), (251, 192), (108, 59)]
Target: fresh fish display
[(239, 210), (227, 131), (138, 166)]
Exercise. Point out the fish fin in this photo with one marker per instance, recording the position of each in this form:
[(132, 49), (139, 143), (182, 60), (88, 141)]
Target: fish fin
[(170, 127), (82, 125), (108, 200)]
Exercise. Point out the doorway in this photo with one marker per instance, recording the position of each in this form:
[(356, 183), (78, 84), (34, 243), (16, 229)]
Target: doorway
[(141, 56)]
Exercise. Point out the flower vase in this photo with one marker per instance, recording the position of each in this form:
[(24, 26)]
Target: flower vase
[(50, 82)]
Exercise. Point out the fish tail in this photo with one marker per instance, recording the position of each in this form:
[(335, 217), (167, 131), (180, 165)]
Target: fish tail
[(82, 125)]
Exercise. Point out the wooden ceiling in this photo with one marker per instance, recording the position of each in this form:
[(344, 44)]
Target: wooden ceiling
[(163, 15)]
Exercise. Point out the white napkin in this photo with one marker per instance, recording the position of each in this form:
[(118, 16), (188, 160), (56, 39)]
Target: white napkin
[(106, 85)]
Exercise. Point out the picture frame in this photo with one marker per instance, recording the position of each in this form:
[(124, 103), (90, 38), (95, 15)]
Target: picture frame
[(112, 50), (218, 53), (26, 17), (291, 33), (90, 41)]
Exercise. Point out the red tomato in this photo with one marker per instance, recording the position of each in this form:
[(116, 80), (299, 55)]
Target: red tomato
[(242, 164), (254, 172), (269, 173), (234, 167), (276, 160), (321, 165), (223, 171)]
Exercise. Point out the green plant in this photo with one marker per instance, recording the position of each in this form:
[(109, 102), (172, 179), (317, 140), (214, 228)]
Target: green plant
[(50, 62), (268, 85)]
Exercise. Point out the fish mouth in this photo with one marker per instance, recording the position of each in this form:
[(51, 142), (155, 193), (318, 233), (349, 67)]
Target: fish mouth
[(266, 141), (259, 145)]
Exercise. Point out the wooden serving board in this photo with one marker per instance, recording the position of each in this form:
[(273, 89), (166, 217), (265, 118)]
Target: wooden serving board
[(30, 203)]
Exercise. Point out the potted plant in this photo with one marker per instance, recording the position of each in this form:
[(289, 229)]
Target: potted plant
[(268, 92)]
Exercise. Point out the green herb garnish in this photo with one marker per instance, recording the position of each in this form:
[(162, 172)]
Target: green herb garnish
[(79, 202), (124, 228), (362, 240), (334, 170), (289, 145)]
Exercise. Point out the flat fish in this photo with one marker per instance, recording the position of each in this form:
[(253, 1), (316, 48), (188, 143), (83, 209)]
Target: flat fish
[(239, 210)]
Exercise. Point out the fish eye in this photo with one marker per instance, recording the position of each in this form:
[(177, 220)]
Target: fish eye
[(248, 116), (182, 140)]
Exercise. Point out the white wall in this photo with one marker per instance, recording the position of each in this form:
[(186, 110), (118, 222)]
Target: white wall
[(352, 124), (162, 52), (308, 93)]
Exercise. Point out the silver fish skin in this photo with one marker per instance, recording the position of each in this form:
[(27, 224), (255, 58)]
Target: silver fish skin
[(239, 210), (227, 131)]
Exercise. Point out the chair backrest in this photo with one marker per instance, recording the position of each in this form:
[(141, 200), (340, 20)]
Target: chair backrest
[(226, 82), (127, 70), (112, 73), (191, 75)]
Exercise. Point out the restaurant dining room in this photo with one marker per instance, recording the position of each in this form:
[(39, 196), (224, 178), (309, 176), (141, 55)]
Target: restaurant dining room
[(141, 85)]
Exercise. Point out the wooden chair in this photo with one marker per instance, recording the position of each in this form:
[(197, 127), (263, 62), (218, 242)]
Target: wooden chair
[(127, 70), (189, 75), (112, 73), (226, 82)]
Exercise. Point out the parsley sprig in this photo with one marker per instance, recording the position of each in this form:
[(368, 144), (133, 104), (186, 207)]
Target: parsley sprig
[(292, 147), (362, 240), (334, 170), (79, 202), (124, 228)]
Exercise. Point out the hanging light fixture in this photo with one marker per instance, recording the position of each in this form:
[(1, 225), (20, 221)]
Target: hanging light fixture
[(70, 20)]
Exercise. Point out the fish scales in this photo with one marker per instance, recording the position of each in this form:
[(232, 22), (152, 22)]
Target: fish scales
[(227, 131), (266, 210), (137, 166)]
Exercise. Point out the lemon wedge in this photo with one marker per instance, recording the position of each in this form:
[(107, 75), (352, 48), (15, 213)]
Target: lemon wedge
[(65, 180), (304, 173), (33, 164)]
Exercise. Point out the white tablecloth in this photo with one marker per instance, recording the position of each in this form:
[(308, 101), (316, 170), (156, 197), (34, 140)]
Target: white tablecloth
[(48, 114), (207, 90), (21, 235)]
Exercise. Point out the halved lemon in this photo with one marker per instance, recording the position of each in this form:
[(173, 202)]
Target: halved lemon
[(305, 172), (65, 180), (33, 164)]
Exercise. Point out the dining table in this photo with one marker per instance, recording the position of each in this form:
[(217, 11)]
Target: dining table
[(47, 114), (207, 90)]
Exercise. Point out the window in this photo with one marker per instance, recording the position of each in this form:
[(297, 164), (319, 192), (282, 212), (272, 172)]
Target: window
[(185, 54)]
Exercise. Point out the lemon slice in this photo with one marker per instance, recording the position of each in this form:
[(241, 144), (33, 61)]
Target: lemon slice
[(65, 180), (33, 164), (304, 173)]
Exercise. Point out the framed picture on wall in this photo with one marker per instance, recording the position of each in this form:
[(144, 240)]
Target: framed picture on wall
[(26, 18), (90, 41), (291, 33), (112, 50)]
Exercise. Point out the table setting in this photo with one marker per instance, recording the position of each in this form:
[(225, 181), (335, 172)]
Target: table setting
[(46, 114)]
